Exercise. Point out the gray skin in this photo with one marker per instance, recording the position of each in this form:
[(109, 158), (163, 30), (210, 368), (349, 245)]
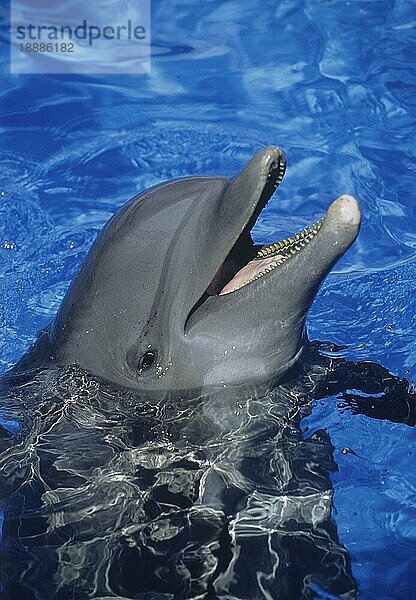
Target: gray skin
[(142, 288)]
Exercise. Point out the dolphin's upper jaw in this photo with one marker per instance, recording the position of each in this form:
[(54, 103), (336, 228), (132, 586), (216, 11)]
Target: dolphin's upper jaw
[(244, 250)]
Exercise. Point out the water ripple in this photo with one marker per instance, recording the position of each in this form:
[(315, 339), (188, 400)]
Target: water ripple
[(333, 83)]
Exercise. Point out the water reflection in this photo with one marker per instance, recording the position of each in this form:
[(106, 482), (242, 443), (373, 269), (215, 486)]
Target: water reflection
[(110, 495)]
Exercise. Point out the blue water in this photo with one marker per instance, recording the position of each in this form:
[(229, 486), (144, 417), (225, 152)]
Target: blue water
[(333, 82)]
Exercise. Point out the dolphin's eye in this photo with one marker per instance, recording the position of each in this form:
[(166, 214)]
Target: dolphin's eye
[(146, 360)]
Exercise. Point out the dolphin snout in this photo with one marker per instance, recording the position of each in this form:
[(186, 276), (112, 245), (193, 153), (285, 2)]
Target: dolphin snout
[(345, 210)]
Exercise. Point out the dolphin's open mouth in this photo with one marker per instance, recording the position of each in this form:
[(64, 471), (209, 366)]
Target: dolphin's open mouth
[(269, 257), (247, 261)]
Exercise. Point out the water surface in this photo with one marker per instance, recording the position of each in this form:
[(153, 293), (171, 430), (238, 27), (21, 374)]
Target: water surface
[(332, 82)]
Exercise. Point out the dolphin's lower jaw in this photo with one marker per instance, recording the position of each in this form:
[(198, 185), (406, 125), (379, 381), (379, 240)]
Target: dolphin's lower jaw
[(271, 256)]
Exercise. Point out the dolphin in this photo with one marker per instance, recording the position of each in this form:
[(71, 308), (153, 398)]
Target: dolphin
[(174, 295), (108, 491)]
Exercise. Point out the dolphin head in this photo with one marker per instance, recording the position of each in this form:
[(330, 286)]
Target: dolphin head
[(174, 295)]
